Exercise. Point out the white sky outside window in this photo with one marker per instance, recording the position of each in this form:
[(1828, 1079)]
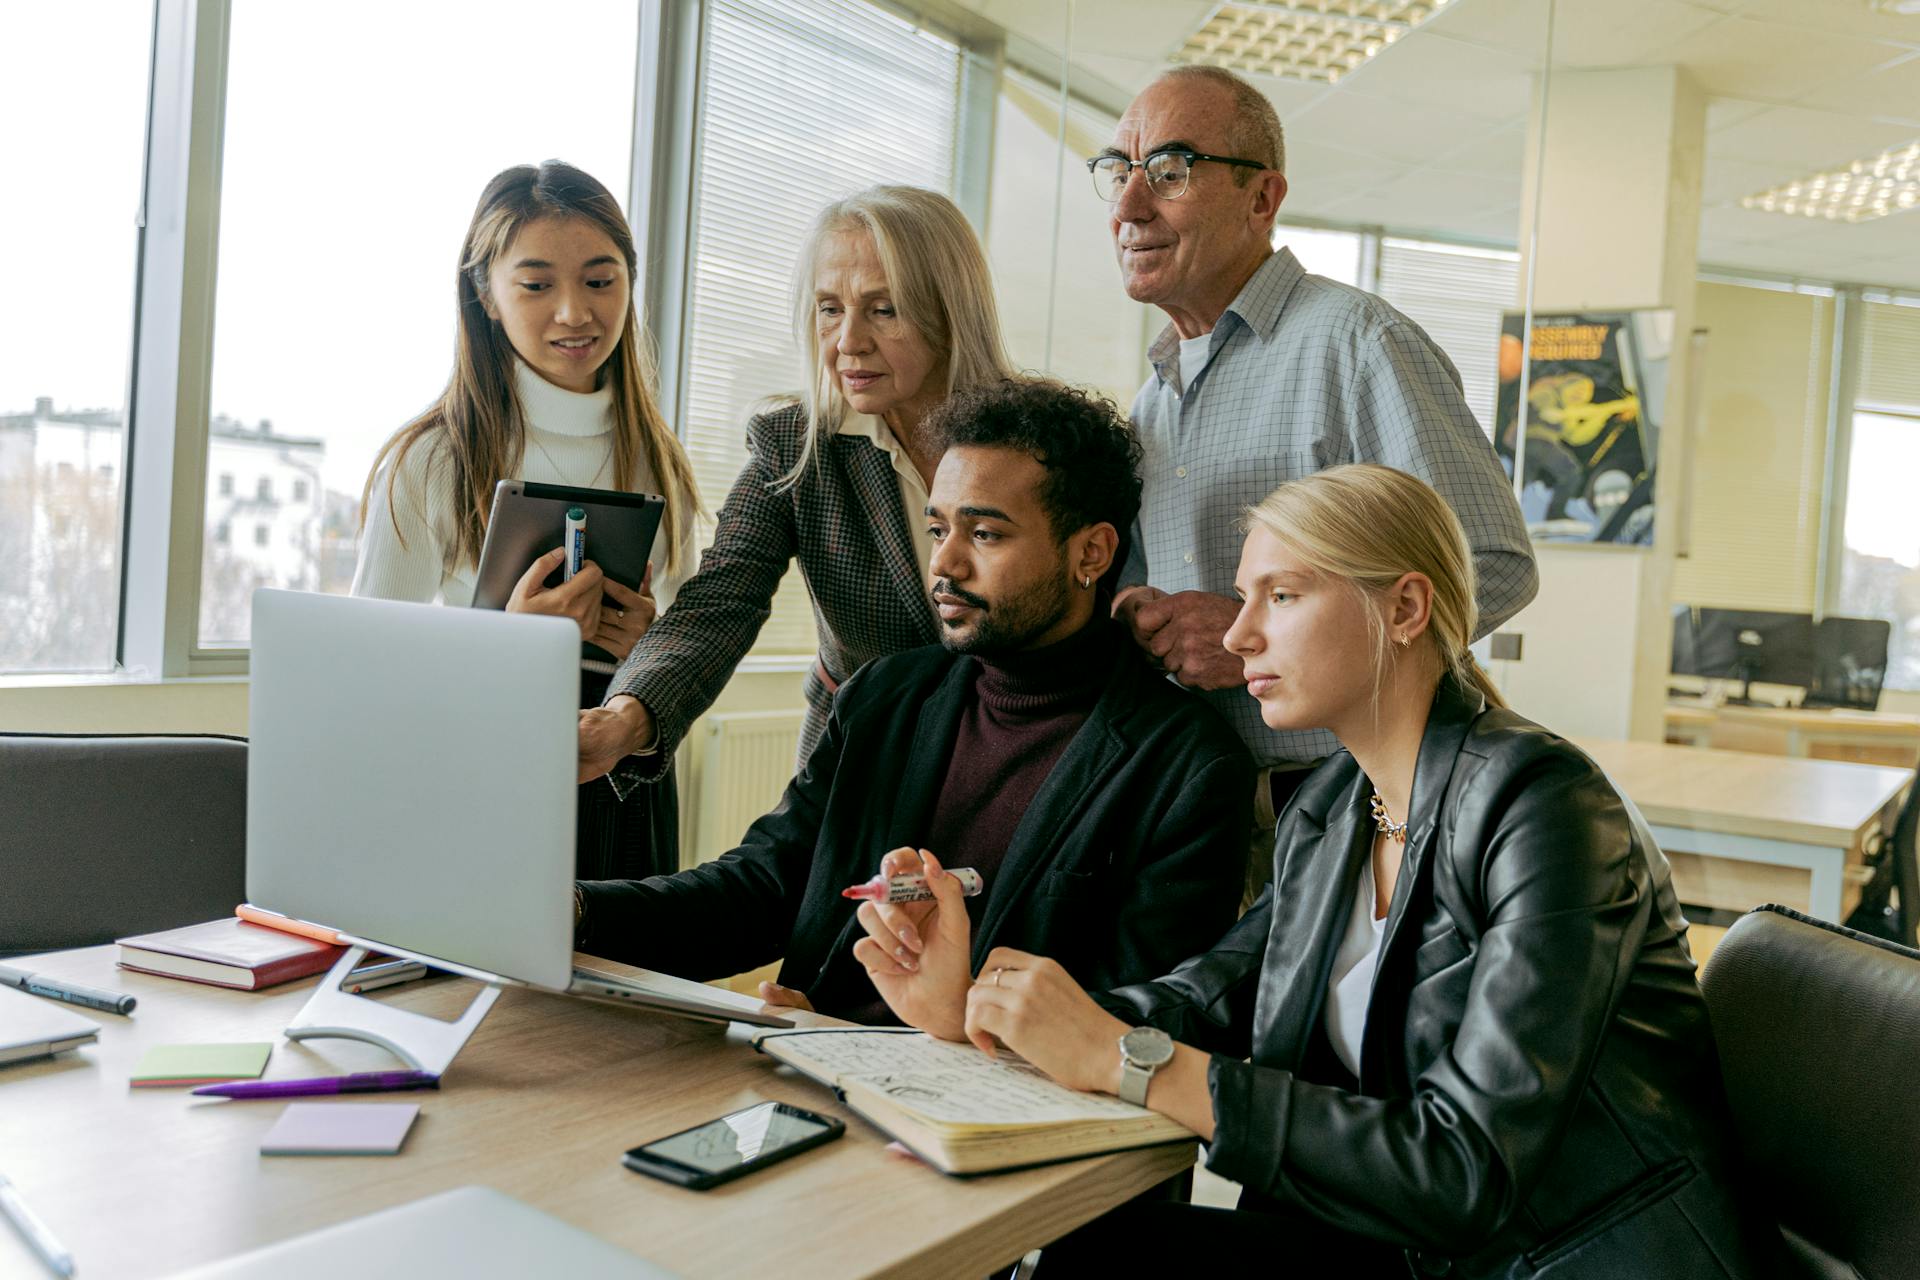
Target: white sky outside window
[(1880, 572), (358, 138), (1333, 254), (79, 74)]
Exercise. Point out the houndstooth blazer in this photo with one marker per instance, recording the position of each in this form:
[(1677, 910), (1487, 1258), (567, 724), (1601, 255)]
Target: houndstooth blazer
[(844, 523)]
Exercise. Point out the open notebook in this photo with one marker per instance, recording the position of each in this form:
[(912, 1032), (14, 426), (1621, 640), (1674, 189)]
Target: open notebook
[(958, 1109)]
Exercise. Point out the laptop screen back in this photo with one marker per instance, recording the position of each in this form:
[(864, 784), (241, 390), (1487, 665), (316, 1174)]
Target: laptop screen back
[(410, 779)]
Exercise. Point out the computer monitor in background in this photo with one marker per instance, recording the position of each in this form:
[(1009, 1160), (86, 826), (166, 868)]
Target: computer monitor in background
[(1748, 645), (1849, 662)]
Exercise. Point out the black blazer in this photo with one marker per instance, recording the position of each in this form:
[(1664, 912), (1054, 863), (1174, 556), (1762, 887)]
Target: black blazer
[(843, 522), (1538, 1091), (1131, 857)]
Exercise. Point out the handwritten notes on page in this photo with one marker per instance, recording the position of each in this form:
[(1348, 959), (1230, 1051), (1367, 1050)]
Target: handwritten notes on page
[(950, 1084)]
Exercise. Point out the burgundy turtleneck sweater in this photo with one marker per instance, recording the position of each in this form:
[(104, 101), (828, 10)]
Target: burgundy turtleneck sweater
[(1020, 714)]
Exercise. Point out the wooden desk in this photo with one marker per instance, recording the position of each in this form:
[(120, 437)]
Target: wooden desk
[(1879, 737), (541, 1104), (1742, 829)]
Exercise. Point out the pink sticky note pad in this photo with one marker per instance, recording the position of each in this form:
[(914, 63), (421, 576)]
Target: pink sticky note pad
[(340, 1129)]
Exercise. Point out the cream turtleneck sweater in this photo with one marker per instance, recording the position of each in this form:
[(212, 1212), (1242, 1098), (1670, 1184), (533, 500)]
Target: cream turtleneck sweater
[(404, 549)]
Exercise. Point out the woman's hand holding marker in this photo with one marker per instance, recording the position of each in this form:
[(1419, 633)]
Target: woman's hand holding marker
[(578, 599)]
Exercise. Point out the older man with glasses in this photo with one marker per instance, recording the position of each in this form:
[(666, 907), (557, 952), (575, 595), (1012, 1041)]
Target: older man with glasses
[(1264, 374)]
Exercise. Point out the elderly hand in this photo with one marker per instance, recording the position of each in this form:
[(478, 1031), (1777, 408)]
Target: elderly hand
[(611, 733), (1187, 632), (917, 953), (577, 598), (1031, 1005)]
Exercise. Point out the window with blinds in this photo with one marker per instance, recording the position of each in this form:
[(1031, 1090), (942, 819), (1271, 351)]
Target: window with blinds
[(1880, 566), (1457, 294), (789, 122)]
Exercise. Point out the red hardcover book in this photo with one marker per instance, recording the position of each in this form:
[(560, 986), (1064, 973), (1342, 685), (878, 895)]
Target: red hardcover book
[(228, 953)]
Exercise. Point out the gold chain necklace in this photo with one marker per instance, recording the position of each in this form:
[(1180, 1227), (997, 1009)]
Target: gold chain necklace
[(1393, 830)]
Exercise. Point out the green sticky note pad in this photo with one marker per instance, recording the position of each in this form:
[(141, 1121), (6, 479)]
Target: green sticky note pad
[(189, 1064)]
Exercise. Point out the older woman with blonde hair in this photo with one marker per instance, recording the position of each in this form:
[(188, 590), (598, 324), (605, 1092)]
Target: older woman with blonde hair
[(1459, 1034), (893, 310)]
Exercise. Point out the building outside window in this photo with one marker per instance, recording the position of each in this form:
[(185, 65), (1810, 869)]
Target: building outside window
[(404, 243), (62, 401)]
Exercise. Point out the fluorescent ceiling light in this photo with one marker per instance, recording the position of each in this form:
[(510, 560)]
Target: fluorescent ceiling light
[(1320, 40), (1866, 189)]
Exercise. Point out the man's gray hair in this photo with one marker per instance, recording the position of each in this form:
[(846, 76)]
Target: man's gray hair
[(1254, 132)]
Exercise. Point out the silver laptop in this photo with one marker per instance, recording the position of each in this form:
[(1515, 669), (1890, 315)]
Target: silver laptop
[(475, 1233), (35, 1027), (410, 782)]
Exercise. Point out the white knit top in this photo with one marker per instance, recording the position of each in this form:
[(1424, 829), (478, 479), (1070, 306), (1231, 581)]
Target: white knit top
[(569, 441)]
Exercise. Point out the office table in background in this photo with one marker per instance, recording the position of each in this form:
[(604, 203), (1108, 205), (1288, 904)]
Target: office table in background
[(1742, 829), (1871, 737), (540, 1105)]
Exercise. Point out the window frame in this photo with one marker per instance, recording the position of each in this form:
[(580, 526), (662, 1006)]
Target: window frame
[(168, 415)]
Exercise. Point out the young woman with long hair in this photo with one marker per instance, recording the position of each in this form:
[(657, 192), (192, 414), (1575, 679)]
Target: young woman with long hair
[(552, 382)]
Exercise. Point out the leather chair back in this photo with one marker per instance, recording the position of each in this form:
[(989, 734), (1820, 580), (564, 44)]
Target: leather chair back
[(102, 836), (1818, 1029), (1890, 901)]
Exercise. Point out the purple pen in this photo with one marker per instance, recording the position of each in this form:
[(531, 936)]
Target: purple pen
[(361, 1082)]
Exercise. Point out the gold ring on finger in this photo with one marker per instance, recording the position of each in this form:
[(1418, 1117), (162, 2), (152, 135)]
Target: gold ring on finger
[(996, 976)]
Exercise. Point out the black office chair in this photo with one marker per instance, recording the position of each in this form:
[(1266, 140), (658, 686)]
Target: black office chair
[(1890, 901), (108, 835), (1818, 1029)]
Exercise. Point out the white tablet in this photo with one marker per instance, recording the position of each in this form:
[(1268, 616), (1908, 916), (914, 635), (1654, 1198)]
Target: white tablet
[(475, 1233)]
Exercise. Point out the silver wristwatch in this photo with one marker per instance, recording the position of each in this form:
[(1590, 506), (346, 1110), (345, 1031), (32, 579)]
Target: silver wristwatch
[(1143, 1051)]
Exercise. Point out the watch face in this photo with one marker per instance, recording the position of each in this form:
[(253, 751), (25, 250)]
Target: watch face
[(1147, 1047)]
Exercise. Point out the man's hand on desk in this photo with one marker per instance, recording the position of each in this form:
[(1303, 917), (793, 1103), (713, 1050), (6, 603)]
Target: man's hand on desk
[(1186, 632), (611, 733), (775, 996)]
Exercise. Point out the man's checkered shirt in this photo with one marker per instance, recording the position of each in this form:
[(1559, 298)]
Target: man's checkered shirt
[(1304, 373)]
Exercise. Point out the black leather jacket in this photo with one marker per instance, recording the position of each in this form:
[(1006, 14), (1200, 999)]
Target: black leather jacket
[(1538, 1092)]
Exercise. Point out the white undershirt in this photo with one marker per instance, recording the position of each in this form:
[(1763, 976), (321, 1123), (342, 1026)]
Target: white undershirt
[(1193, 358), (569, 441), (1350, 987), (913, 489)]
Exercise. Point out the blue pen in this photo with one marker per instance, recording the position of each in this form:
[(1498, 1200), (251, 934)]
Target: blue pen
[(576, 543)]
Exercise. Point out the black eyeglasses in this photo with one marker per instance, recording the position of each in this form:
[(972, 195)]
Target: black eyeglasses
[(1167, 172)]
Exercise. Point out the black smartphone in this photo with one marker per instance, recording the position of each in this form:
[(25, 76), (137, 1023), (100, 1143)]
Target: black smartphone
[(734, 1145)]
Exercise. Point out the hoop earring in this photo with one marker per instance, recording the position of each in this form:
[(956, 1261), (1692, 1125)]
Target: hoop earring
[(1086, 583)]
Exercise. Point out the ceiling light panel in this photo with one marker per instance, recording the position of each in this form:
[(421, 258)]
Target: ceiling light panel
[(1880, 185), (1315, 40)]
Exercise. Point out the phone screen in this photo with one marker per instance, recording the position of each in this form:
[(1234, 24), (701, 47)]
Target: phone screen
[(737, 1139)]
